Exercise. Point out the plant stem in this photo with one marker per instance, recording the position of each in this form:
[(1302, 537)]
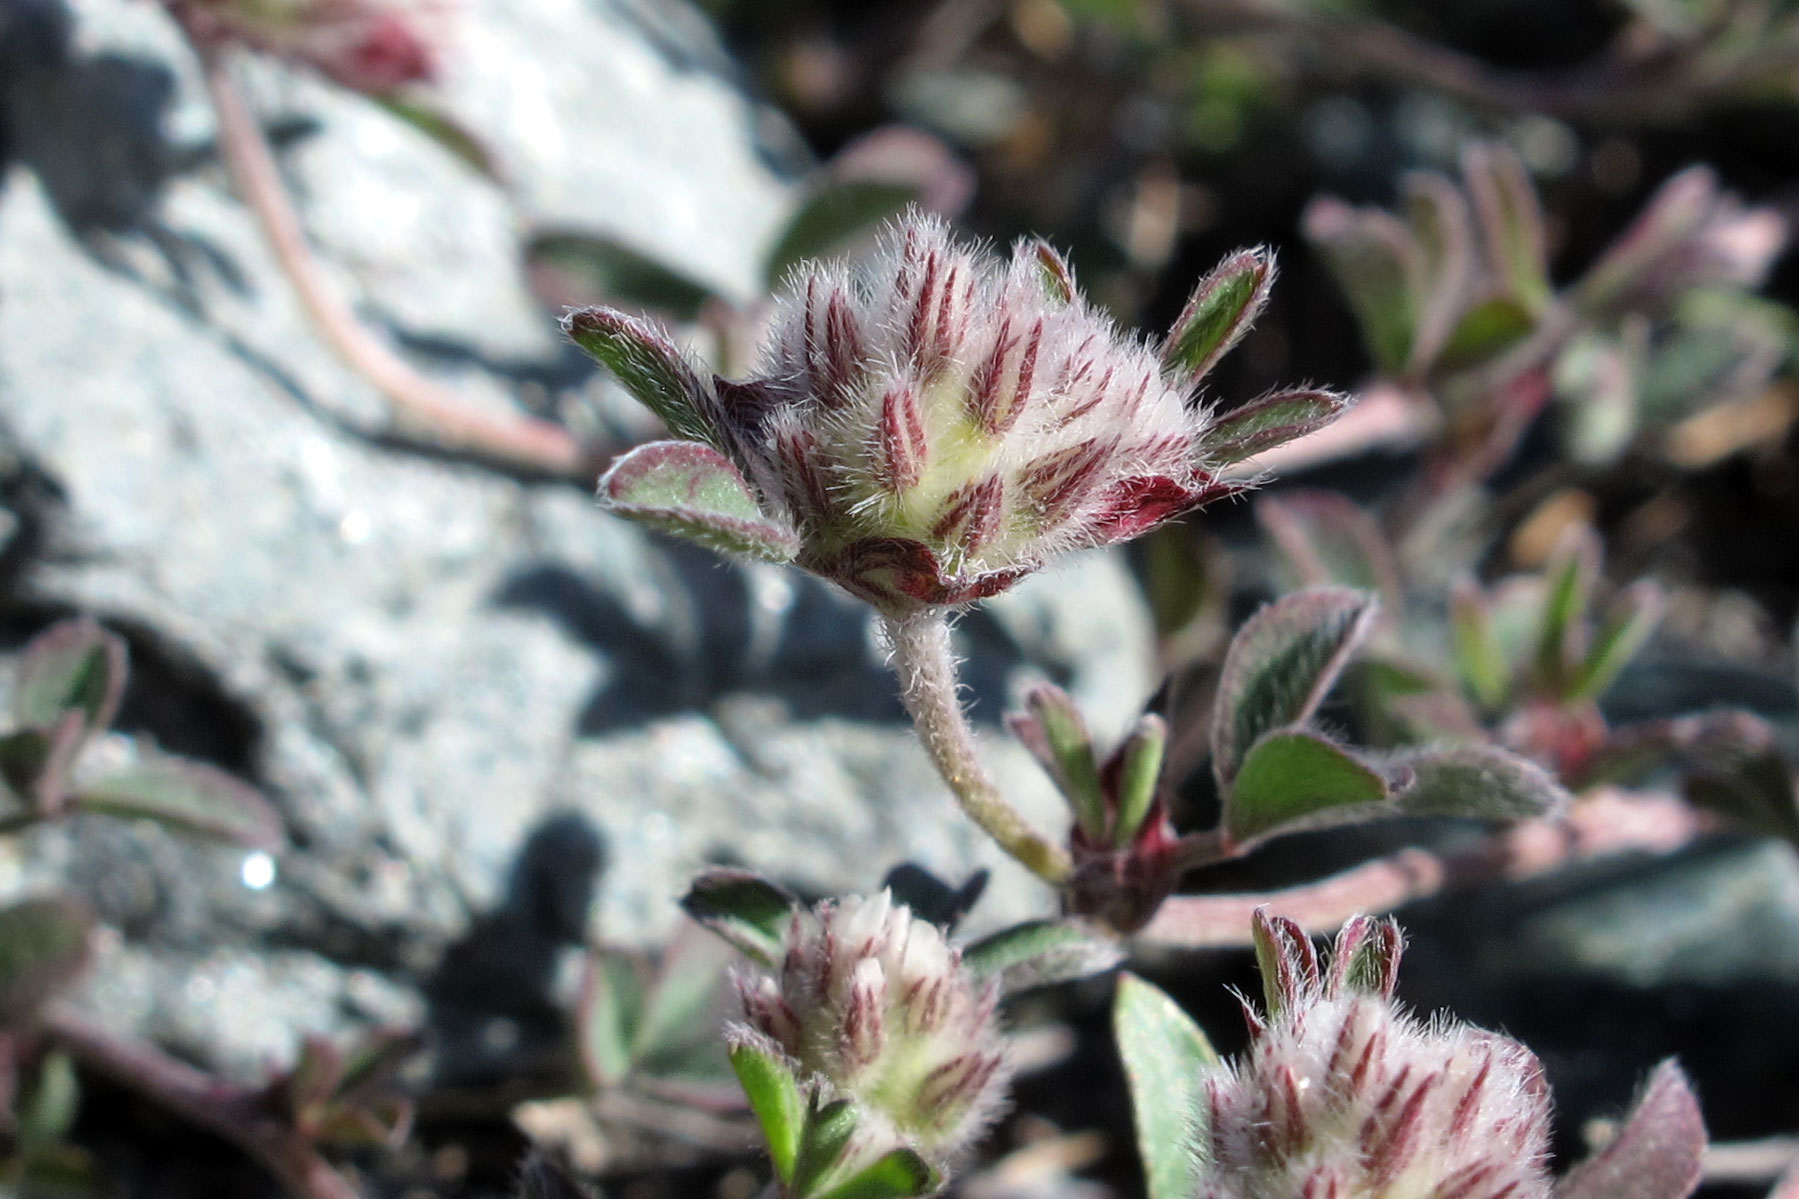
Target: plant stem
[(1602, 823), (928, 687), (226, 1110), (525, 441)]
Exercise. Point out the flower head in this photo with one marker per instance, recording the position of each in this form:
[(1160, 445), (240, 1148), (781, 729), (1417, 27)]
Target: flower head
[(935, 424), (1344, 1096), (878, 1006)]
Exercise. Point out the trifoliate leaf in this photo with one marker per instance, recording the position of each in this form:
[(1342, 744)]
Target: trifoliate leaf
[(692, 491), (1220, 311), (1281, 664), (1293, 779), (188, 797)]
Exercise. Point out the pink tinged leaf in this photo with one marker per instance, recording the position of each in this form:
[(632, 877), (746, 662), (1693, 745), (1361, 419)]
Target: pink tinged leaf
[(1656, 1154), (1673, 216), (1052, 270), (1511, 220), (187, 797), (1267, 422), (971, 515), (693, 492), (902, 448), (1365, 958), (649, 366), (1220, 311), (1287, 961), (1443, 230), (1134, 506), (45, 944), (1281, 664), (72, 666), (1380, 267)]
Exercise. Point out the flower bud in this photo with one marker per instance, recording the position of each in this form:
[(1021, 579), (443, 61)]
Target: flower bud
[(372, 46), (931, 427), (879, 1006), (1341, 1095)]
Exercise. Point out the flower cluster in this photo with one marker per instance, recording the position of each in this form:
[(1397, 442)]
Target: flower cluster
[(371, 46), (1343, 1096), (877, 1006), (930, 427)]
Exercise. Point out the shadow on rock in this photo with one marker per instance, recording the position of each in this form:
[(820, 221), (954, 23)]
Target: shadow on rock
[(91, 128), (492, 1012), (815, 654)]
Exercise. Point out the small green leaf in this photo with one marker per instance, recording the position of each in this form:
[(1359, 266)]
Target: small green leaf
[(609, 1009), (1040, 952), (1220, 311), (46, 1114), (649, 366), (44, 946), (823, 1140), (1489, 328), (1166, 1058), (1380, 267), (188, 797), (443, 129), (833, 216), (35, 764), (1138, 774), (1479, 657), (775, 1098), (1511, 221), (692, 491), (1657, 1152), (1671, 217), (899, 1174), (1561, 636), (680, 1008), (1442, 229), (1264, 423), (1057, 736), (1480, 782), (1177, 578), (745, 909), (72, 666), (1292, 779), (1280, 665), (1632, 619), (1736, 768), (580, 267)]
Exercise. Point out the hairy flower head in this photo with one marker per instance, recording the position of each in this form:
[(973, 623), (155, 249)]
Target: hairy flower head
[(937, 422), (878, 1005), (1342, 1095)]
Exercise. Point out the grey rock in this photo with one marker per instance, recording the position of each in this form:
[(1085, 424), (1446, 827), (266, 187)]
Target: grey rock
[(496, 721)]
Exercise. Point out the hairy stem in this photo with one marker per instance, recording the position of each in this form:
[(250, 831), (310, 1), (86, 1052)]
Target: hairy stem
[(522, 441), (928, 687), (219, 1107)]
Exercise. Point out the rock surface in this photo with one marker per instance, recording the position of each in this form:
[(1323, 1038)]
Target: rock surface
[(479, 703)]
